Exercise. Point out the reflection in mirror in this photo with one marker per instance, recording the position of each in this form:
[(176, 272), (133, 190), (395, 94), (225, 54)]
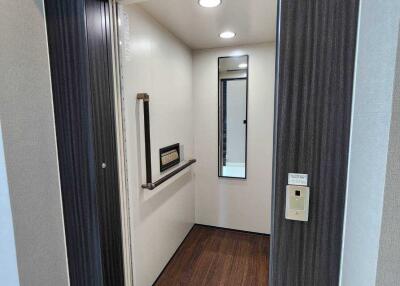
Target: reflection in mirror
[(232, 122)]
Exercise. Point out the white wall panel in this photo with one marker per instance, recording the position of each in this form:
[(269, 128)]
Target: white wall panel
[(230, 203), (156, 62)]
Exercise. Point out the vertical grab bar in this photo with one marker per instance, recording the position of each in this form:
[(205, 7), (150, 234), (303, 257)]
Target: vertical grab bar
[(146, 98)]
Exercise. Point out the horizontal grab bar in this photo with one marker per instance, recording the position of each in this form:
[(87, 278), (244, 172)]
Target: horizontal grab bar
[(152, 186)]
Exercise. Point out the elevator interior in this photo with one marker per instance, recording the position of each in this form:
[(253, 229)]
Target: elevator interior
[(197, 87)]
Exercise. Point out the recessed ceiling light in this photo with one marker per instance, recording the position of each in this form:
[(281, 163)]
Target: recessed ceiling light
[(243, 66), (209, 3), (227, 35)]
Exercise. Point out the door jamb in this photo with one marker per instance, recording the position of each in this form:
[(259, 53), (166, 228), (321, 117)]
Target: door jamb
[(125, 200)]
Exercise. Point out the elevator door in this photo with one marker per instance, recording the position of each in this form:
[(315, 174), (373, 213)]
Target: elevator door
[(79, 36), (313, 112)]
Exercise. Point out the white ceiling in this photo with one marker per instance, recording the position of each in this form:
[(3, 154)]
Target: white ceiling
[(253, 21)]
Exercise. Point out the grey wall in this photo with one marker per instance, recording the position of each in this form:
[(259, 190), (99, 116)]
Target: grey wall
[(8, 257), (26, 114), (389, 249), (372, 106)]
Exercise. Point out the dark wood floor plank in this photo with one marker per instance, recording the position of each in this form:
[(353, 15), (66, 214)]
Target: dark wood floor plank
[(218, 257)]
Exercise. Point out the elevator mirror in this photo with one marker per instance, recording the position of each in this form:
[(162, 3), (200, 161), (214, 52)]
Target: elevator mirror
[(232, 110)]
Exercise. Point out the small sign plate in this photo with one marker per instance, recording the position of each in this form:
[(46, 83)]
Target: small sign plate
[(298, 179), (169, 157)]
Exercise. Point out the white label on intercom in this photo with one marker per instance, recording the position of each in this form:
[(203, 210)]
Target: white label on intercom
[(298, 179), (297, 200)]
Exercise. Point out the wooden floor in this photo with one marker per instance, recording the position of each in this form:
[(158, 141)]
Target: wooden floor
[(212, 256)]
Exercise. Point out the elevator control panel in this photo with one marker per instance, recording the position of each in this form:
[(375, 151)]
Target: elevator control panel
[(297, 200)]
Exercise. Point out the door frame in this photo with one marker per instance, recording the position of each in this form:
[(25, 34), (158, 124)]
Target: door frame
[(125, 198)]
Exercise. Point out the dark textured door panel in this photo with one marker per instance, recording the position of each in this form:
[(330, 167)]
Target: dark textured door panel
[(313, 114), (81, 71)]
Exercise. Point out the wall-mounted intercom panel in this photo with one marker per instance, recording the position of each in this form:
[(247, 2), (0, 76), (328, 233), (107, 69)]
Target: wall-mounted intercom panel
[(297, 201)]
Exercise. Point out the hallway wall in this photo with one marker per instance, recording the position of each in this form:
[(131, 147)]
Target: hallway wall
[(389, 247), (156, 62), (26, 113), (8, 257), (232, 203), (372, 109)]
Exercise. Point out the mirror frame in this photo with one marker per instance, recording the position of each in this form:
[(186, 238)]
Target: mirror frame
[(220, 115)]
